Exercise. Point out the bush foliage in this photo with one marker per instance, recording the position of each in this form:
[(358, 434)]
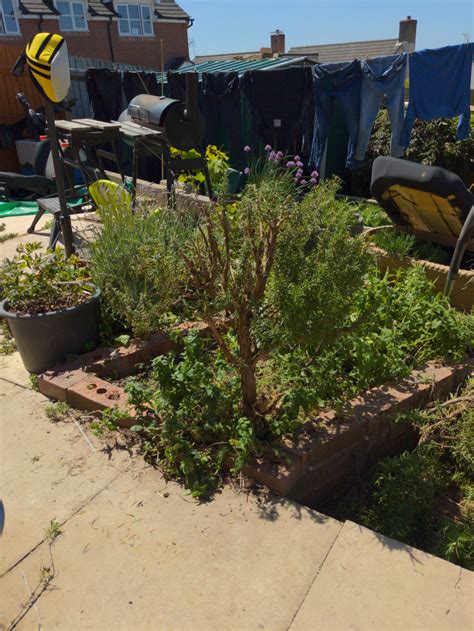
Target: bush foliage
[(432, 142)]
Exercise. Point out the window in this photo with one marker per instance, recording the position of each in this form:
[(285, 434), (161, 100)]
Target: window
[(134, 19), (73, 15), (8, 19)]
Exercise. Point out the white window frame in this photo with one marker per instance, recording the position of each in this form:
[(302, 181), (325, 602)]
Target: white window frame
[(14, 16), (140, 6), (71, 14)]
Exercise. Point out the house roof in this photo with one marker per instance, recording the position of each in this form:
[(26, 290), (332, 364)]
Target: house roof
[(242, 65), (330, 53), (37, 7), (101, 7), (170, 11), (227, 56)]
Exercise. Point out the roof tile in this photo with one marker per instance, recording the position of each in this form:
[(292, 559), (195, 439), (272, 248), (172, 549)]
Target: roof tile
[(330, 53)]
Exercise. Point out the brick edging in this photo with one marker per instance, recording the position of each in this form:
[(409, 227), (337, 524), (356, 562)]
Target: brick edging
[(316, 459), (328, 450)]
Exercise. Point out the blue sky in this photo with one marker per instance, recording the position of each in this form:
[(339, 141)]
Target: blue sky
[(240, 25)]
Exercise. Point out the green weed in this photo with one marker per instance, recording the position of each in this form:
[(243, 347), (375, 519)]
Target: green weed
[(56, 412)]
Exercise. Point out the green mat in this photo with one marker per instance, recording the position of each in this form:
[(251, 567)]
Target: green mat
[(17, 209)]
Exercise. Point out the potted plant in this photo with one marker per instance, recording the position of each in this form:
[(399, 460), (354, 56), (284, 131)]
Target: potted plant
[(50, 304)]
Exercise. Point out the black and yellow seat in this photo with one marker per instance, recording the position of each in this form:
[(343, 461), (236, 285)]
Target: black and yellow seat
[(430, 202)]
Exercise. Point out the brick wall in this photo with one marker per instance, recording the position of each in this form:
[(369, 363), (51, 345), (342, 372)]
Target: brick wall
[(140, 51)]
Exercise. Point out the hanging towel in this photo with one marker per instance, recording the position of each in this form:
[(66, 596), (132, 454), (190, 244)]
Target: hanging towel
[(279, 101), (440, 87), (221, 108), (135, 83), (105, 93)]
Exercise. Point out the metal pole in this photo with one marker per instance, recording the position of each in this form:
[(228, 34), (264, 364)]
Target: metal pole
[(65, 219)]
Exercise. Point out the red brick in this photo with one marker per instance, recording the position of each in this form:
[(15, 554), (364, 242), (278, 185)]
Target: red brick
[(95, 395), (55, 384), (279, 476)]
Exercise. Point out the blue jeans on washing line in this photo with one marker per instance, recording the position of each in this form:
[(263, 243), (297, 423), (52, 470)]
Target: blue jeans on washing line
[(383, 81), (336, 83)]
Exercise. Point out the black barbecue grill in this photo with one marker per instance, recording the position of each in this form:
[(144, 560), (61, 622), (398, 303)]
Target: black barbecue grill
[(154, 124)]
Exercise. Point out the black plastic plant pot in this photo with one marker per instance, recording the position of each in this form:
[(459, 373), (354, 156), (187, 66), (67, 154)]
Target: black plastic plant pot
[(44, 339)]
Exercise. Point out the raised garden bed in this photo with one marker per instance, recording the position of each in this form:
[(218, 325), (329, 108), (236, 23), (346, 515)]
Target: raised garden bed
[(326, 452), (462, 295)]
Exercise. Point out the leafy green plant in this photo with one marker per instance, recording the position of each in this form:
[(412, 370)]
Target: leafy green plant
[(134, 260), (56, 412), (217, 164), (399, 244), (53, 530), (188, 415), (396, 323), (36, 282), (432, 142), (402, 244), (424, 497), (7, 236), (7, 343)]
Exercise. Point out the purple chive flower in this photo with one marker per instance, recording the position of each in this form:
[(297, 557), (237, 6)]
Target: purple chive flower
[(272, 156), (297, 159), (299, 164), (246, 171), (279, 155), (313, 181), (315, 175), (303, 182), (290, 164), (299, 172), (247, 149), (268, 148)]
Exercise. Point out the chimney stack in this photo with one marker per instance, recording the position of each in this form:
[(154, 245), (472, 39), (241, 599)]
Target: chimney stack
[(278, 43), (407, 33)]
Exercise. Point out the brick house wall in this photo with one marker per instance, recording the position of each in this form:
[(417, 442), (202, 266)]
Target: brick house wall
[(95, 43)]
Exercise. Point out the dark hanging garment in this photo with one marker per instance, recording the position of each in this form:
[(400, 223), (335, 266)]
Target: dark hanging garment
[(221, 109), (105, 93), (135, 83), (177, 86), (280, 101)]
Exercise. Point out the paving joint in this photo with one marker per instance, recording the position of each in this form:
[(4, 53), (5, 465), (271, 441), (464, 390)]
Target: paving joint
[(63, 522), (315, 578)]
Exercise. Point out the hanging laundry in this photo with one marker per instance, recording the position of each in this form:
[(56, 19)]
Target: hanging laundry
[(383, 82), (135, 83), (336, 83), (176, 86), (279, 101), (105, 93), (440, 87), (221, 109)]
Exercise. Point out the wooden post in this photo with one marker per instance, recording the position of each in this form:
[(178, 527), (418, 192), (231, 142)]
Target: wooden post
[(65, 219)]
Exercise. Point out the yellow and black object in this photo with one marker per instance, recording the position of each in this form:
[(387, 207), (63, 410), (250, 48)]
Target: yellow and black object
[(430, 202), (48, 63)]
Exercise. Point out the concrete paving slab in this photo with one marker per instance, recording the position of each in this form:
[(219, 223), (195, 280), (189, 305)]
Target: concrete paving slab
[(84, 226), (48, 470), (13, 371), (138, 558), (18, 226), (369, 581)]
